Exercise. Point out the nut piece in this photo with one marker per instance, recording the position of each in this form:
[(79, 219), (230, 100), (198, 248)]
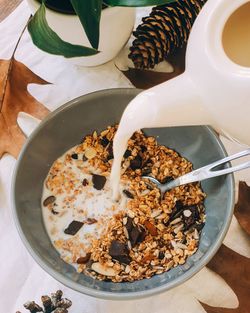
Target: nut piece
[(90, 153), (103, 270)]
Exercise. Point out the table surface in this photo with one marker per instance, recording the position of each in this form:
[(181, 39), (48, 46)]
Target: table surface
[(7, 7), (21, 278)]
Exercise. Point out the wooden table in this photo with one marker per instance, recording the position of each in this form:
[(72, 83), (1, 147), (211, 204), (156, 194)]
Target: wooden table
[(7, 6)]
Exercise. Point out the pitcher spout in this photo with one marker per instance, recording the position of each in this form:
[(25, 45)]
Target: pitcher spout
[(173, 103)]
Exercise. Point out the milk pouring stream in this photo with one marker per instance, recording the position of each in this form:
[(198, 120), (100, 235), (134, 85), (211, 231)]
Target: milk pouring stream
[(214, 89)]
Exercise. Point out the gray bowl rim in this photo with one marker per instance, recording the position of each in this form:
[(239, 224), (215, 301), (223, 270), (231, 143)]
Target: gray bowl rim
[(99, 293)]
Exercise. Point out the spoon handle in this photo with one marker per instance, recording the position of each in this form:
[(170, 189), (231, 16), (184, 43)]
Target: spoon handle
[(208, 171)]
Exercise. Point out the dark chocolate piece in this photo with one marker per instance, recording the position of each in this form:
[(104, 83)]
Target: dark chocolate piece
[(84, 158), (90, 221), (98, 181), (74, 156), (54, 212), (127, 153), (104, 141), (85, 182), (83, 259), (161, 255), (136, 234), (136, 163), (119, 251), (110, 152), (49, 200), (128, 194), (73, 228), (194, 217)]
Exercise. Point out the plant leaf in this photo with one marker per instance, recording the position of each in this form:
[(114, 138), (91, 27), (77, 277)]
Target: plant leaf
[(137, 3), (47, 40), (89, 13)]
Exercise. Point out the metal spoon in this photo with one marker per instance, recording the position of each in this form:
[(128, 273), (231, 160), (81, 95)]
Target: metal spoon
[(204, 172)]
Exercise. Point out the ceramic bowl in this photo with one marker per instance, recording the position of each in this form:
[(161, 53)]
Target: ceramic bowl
[(63, 129)]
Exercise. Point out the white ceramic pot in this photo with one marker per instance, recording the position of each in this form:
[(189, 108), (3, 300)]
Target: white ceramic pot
[(115, 29)]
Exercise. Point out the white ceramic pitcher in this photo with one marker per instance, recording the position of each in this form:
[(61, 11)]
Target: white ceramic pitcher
[(215, 88)]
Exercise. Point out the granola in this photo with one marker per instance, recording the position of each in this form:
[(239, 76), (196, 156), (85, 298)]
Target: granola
[(136, 237)]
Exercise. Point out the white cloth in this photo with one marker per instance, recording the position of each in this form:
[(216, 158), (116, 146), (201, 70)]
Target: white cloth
[(21, 279)]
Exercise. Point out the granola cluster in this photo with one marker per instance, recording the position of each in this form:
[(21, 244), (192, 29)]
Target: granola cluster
[(152, 235)]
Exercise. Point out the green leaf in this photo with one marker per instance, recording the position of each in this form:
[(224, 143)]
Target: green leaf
[(47, 40), (136, 3), (89, 13)]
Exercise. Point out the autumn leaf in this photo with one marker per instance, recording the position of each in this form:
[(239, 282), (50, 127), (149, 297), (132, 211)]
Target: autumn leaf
[(15, 98), (235, 270), (242, 208), (144, 79)]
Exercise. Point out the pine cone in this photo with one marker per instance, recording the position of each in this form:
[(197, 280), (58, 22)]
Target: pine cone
[(163, 31)]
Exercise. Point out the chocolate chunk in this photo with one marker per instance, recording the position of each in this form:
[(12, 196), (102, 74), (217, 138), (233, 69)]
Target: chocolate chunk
[(128, 194), (143, 148), (104, 141), (136, 235), (85, 182), (83, 259), (129, 224), (84, 158), (179, 205), (110, 152), (98, 181), (90, 221), (73, 228), (176, 212), (74, 156), (136, 163), (194, 217), (49, 200), (119, 251), (127, 153), (161, 255), (167, 179), (54, 212)]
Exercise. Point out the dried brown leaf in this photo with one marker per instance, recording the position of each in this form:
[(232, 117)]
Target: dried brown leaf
[(15, 98), (242, 208), (235, 270)]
